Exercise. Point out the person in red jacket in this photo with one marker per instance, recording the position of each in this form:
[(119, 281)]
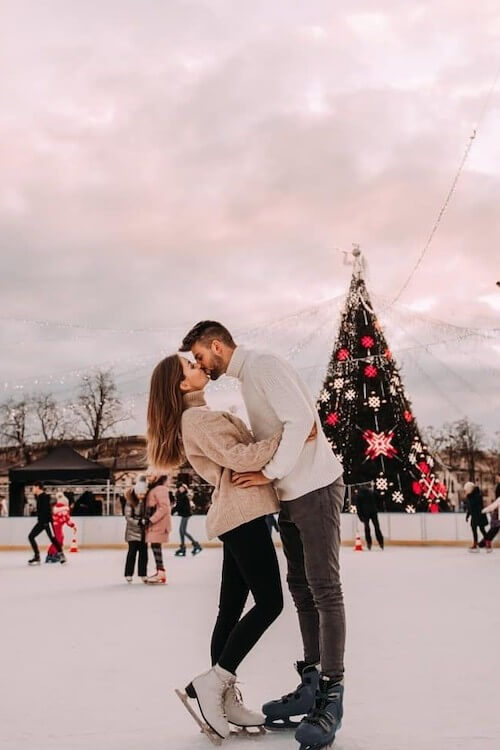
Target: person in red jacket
[(60, 518)]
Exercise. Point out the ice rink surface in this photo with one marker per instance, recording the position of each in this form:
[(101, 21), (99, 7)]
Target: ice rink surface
[(91, 662)]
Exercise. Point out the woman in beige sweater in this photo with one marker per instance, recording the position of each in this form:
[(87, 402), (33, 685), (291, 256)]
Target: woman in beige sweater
[(180, 425)]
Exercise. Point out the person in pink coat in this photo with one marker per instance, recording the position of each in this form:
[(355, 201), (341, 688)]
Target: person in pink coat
[(158, 522), (60, 518)]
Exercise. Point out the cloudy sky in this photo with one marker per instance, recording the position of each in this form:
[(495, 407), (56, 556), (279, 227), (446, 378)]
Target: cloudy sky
[(164, 162)]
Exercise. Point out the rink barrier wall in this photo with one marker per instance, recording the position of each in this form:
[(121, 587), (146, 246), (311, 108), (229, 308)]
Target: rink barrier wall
[(107, 532)]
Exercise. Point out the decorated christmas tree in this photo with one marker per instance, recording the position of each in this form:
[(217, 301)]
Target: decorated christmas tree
[(366, 415)]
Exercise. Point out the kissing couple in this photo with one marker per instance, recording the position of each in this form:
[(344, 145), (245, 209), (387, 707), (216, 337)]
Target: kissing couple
[(284, 464)]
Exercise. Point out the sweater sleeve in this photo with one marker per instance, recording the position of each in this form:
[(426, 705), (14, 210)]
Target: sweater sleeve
[(493, 506), (163, 507), (290, 406), (217, 438)]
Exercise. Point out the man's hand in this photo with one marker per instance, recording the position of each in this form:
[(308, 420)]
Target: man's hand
[(249, 479), (313, 434)]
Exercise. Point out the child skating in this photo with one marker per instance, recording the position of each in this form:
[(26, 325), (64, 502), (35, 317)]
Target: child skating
[(135, 531)]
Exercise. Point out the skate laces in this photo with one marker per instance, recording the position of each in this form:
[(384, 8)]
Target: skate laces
[(319, 715), (235, 692)]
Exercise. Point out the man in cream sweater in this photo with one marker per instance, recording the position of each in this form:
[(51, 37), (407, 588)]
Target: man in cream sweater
[(307, 477)]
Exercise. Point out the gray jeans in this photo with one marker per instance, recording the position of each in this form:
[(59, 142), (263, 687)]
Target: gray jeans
[(310, 531)]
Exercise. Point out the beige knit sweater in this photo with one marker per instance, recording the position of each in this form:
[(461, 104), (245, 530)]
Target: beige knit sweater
[(217, 443)]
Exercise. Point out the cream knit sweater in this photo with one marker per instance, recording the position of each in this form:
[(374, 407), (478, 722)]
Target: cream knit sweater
[(217, 443), (276, 399)]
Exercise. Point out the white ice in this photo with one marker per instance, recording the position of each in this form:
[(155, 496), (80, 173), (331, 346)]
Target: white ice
[(91, 662)]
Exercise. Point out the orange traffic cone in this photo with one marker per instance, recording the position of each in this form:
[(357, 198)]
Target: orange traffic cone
[(74, 545), (358, 547)]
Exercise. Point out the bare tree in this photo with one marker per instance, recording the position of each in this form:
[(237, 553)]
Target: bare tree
[(436, 438), (467, 439), (53, 419), (98, 407), (15, 428)]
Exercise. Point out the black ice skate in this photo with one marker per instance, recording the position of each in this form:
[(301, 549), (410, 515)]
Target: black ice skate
[(279, 713), (34, 560), (318, 729)]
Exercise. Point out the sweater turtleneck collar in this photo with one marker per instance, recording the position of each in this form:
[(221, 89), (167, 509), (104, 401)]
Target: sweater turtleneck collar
[(194, 398)]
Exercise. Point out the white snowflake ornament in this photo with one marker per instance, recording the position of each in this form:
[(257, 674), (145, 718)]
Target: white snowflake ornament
[(398, 497), (324, 396), (350, 394), (381, 484), (338, 383), (410, 509), (374, 402)]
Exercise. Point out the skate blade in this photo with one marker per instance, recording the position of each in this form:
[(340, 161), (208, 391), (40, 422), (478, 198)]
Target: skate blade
[(248, 733), (205, 729)]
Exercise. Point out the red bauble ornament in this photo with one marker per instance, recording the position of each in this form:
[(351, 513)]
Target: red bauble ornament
[(424, 467), (371, 371), (417, 489), (408, 416), (342, 355), (332, 418), (367, 342), (388, 354)]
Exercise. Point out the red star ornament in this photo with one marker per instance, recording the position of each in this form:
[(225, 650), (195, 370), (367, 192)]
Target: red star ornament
[(408, 416), (367, 342), (424, 467), (379, 444), (332, 418), (432, 489), (370, 371), (342, 355)]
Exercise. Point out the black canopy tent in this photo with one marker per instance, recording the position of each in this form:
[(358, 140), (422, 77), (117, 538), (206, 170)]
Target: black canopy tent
[(63, 465)]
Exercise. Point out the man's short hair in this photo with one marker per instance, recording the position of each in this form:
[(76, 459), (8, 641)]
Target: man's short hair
[(40, 485), (205, 332)]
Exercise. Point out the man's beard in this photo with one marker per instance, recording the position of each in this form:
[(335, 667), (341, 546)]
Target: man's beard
[(216, 370)]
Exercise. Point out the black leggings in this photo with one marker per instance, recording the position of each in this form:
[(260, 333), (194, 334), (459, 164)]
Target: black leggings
[(378, 532), (36, 530), (481, 524), (135, 548), (183, 531), (158, 555), (249, 565)]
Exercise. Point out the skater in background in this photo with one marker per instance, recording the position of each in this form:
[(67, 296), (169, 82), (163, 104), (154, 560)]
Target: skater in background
[(157, 522), (44, 523), (180, 425), (494, 510), (366, 508), (135, 531), (474, 511), (60, 518), (183, 509), (309, 484)]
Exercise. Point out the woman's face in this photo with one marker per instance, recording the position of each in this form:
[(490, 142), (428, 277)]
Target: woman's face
[(195, 379)]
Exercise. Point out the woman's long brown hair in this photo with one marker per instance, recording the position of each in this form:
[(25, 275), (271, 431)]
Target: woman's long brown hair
[(164, 415)]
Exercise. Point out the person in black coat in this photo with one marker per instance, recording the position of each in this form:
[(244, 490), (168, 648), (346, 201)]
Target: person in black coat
[(366, 507), (44, 523), (183, 509), (474, 511)]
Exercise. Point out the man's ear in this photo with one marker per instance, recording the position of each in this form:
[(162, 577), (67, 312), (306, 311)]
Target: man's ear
[(216, 347)]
